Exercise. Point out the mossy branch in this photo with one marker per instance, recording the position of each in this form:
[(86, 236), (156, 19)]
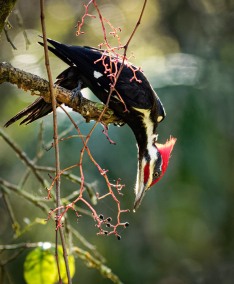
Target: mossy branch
[(40, 87), (5, 10)]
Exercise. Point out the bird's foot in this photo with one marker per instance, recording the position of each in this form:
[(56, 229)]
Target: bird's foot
[(76, 93)]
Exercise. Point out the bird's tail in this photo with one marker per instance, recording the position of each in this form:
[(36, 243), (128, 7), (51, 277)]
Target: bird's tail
[(36, 110), (68, 79)]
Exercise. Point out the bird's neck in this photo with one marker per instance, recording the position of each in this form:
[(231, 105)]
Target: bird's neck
[(145, 167), (145, 133)]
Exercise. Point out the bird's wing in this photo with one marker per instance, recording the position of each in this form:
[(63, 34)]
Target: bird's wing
[(93, 65)]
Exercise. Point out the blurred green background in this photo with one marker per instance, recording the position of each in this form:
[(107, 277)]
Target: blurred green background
[(184, 230)]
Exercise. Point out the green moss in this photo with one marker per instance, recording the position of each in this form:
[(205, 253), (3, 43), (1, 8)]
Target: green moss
[(6, 8)]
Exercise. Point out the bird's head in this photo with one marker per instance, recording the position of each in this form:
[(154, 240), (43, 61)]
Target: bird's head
[(152, 166)]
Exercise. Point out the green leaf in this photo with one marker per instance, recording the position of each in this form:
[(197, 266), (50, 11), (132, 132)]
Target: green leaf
[(40, 265)]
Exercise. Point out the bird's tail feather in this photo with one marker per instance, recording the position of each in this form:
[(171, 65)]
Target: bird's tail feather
[(36, 110), (67, 79)]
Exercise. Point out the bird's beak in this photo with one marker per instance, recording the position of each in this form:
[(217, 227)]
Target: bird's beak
[(140, 192), (144, 180)]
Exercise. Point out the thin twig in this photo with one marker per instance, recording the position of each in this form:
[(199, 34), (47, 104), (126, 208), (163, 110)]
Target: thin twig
[(21, 25), (92, 262), (12, 257), (23, 157), (24, 194), (56, 145), (73, 178), (20, 245), (85, 140), (15, 224), (136, 26), (87, 244), (9, 39), (115, 77), (38, 151)]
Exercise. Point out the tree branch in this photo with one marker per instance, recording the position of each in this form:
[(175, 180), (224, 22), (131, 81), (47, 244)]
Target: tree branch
[(5, 10), (40, 87)]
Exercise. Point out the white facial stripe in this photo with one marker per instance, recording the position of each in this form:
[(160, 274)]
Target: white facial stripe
[(97, 74), (150, 143)]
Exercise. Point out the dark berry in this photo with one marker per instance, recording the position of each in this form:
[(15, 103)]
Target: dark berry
[(101, 217)]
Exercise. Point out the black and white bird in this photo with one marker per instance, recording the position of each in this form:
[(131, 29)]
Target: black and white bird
[(133, 100)]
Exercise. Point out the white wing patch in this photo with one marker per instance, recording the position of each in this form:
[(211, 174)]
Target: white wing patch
[(97, 74)]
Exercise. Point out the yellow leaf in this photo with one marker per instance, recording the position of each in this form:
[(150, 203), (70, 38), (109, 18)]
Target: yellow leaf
[(40, 265)]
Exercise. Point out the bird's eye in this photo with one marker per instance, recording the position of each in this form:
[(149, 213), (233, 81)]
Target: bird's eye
[(156, 174)]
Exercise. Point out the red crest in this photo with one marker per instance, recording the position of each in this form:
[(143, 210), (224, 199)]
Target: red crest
[(165, 151)]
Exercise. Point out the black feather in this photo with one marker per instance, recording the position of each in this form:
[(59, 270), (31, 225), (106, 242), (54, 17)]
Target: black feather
[(84, 62)]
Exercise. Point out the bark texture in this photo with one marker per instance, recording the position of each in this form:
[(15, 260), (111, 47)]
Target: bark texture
[(6, 7), (40, 87)]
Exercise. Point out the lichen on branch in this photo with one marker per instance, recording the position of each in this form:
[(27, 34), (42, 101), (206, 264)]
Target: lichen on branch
[(5, 10), (40, 87)]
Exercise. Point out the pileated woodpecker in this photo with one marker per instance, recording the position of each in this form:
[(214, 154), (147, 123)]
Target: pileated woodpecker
[(133, 100)]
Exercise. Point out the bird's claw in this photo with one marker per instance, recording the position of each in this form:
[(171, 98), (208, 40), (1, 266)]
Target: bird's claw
[(76, 93)]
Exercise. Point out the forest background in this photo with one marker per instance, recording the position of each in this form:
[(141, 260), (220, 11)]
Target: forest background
[(184, 230)]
